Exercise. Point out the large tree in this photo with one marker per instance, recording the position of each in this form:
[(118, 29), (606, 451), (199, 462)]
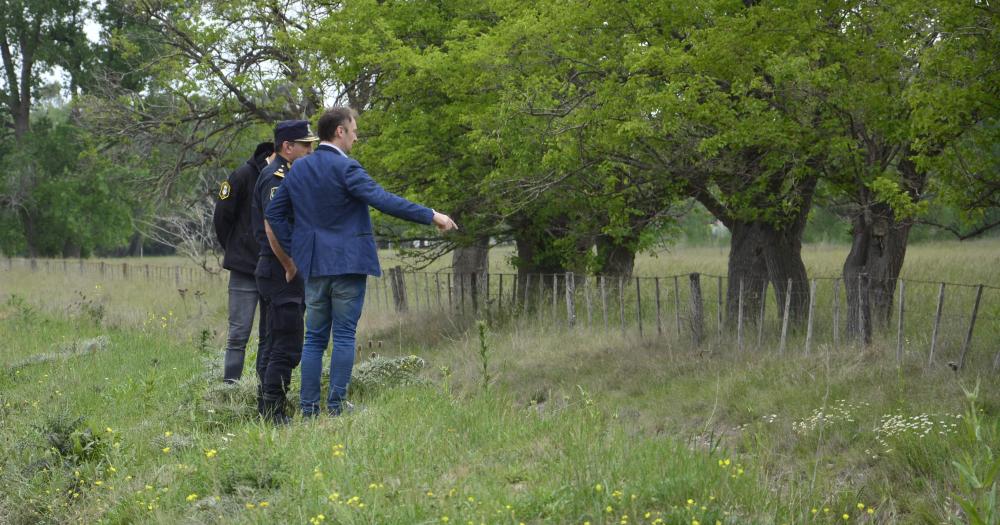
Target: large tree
[(36, 35)]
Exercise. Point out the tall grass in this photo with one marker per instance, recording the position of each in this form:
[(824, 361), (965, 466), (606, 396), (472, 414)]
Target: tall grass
[(574, 425)]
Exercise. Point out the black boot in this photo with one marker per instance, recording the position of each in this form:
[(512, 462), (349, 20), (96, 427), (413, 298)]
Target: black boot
[(274, 411)]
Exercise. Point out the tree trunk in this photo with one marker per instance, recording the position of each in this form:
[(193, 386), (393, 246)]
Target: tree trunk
[(617, 257), (746, 264), (30, 236), (467, 261), (135, 245), (473, 258), (760, 253), (71, 249), (876, 257), (877, 253)]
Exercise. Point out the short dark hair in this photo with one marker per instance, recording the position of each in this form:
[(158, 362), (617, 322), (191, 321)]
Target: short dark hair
[(333, 118)]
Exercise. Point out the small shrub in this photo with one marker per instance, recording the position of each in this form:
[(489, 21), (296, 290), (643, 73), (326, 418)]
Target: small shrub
[(72, 440)]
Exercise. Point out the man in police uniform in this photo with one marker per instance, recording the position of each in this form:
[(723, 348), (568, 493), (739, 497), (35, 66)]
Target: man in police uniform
[(232, 227), (281, 294)]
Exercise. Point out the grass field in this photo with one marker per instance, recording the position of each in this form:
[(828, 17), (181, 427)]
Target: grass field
[(111, 411)]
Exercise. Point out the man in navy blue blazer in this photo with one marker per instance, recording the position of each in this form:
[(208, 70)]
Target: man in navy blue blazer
[(333, 248)]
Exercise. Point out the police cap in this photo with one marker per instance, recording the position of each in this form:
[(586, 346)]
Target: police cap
[(293, 130)]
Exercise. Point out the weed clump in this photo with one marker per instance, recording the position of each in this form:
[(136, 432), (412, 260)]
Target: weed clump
[(382, 373)]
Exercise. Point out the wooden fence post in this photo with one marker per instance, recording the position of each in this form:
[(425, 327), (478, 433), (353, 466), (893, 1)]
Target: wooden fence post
[(677, 304), (437, 288), (586, 294), (638, 305), (474, 293), (784, 319), (451, 293), (398, 288), (621, 301), (427, 289), (697, 318), (527, 288), (812, 308), (937, 323), (500, 296), (555, 298), (760, 318), (384, 289), (659, 322), (836, 313), (461, 292), (514, 292), (540, 304), (972, 325), (570, 305), (604, 302)]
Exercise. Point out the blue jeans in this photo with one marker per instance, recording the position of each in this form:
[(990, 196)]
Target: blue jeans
[(333, 303)]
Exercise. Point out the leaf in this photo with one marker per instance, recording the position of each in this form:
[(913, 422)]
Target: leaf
[(968, 475)]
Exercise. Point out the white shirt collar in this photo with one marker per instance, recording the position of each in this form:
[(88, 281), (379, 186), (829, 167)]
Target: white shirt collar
[(332, 145)]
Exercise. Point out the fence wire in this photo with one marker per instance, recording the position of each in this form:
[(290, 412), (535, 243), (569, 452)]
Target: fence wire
[(935, 323)]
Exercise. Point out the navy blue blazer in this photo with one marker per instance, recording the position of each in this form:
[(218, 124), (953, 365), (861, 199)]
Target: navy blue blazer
[(328, 195)]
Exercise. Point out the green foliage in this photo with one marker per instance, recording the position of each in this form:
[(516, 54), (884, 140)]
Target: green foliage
[(74, 441), (979, 467), (64, 196)]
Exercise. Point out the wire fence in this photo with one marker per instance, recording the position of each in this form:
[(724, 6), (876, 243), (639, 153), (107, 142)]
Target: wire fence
[(124, 271), (933, 323)]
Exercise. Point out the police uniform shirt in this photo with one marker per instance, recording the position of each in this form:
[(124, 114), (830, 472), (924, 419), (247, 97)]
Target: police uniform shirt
[(267, 185)]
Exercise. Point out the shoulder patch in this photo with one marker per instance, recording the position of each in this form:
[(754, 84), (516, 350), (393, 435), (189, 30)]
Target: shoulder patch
[(225, 191), (273, 191)]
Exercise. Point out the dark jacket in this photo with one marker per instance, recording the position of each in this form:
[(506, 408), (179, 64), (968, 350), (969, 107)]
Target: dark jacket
[(232, 213), (328, 195)]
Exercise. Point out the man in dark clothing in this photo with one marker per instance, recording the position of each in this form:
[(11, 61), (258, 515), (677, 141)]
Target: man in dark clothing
[(281, 295), (233, 229)]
